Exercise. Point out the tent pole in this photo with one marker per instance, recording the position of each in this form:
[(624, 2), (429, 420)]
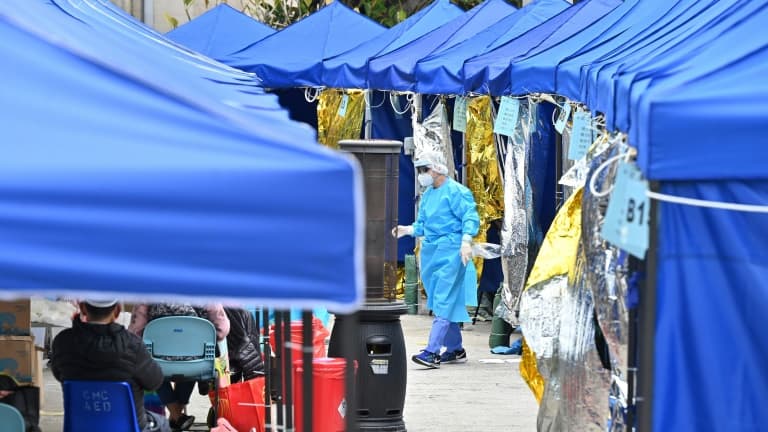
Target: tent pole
[(368, 115), (647, 322)]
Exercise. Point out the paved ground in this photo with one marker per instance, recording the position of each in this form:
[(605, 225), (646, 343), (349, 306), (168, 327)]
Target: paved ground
[(475, 396)]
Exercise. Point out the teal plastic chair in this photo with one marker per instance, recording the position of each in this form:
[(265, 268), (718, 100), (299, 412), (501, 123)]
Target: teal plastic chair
[(11, 419), (99, 406), (170, 338)]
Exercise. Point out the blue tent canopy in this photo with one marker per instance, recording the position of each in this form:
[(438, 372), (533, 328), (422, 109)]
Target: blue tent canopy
[(293, 57), (136, 192), (719, 76), (540, 72), (350, 69), (107, 13), (645, 44), (395, 69), (108, 37), (695, 37), (475, 69), (441, 71), (219, 32), (495, 66)]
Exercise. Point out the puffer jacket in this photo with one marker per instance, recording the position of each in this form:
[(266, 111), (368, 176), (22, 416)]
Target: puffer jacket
[(105, 352), (243, 345)]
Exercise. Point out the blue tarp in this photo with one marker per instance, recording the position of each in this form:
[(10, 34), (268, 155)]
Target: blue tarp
[(350, 69), (441, 72), (293, 57), (220, 32), (492, 71), (133, 191), (395, 69)]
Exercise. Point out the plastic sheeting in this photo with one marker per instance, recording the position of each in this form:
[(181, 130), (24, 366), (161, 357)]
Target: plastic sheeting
[(220, 32), (293, 57), (350, 69), (339, 116), (396, 69), (441, 71), (131, 190)]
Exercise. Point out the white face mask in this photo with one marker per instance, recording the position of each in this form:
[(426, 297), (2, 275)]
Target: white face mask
[(425, 179)]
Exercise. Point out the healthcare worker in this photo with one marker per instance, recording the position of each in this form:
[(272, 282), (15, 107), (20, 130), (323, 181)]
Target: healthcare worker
[(447, 220)]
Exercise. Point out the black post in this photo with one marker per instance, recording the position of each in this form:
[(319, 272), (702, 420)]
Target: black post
[(647, 322), (267, 359), (288, 370), (308, 374), (278, 366), (350, 352), (632, 265)]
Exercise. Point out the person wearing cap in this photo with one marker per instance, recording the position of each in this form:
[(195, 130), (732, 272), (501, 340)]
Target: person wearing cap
[(99, 349), (447, 220)]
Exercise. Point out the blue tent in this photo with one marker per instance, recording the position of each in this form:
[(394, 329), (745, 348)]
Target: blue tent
[(441, 71), (677, 24), (220, 32), (542, 72), (395, 70), (700, 131), (696, 36), (133, 191), (490, 72), (108, 36), (350, 69), (293, 57), (690, 83)]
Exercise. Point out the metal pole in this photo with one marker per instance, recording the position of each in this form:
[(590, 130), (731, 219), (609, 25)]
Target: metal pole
[(278, 367), (647, 322), (633, 265), (307, 377), (288, 370), (267, 358), (559, 195), (148, 15), (350, 338), (368, 114)]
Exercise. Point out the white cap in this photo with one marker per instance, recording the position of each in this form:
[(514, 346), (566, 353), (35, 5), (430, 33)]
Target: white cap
[(101, 303), (432, 159)]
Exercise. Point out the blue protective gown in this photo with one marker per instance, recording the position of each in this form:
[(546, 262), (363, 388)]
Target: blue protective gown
[(445, 214)]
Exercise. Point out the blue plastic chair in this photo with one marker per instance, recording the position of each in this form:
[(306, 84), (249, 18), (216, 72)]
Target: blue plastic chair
[(99, 406), (11, 419), (182, 336)]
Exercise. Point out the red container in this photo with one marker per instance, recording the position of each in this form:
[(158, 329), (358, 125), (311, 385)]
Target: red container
[(319, 333), (329, 405), (242, 404)]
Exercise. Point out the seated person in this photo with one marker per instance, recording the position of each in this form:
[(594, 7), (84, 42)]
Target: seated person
[(176, 397), (243, 345), (96, 348)]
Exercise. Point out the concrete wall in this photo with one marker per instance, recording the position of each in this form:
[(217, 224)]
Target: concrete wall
[(154, 12)]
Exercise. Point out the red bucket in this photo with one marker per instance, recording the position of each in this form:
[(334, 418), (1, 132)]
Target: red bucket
[(319, 333), (329, 405)]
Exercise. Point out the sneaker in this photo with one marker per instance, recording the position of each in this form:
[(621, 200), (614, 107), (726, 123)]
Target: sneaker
[(458, 356), (183, 423), (428, 359)]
